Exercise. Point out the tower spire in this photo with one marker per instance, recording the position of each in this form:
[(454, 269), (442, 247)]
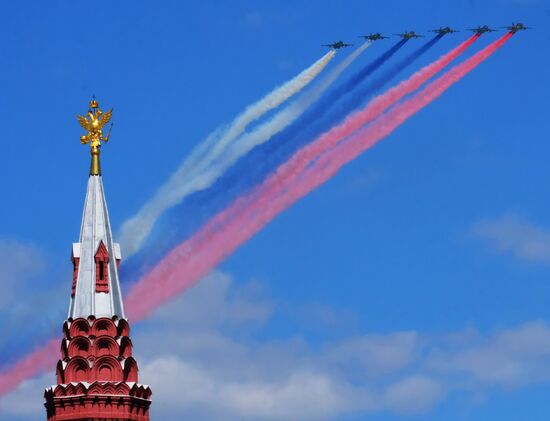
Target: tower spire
[(97, 376), (96, 288), (94, 123)]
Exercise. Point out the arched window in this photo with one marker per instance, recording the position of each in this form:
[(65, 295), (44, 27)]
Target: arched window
[(79, 347), (79, 327), (104, 326), (105, 345), (107, 369), (77, 370), (102, 268)]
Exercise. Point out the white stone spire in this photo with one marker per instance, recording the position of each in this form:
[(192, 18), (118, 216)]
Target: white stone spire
[(96, 287)]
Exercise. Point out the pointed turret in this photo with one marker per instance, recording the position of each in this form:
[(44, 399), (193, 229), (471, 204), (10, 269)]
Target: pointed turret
[(96, 287), (97, 376)]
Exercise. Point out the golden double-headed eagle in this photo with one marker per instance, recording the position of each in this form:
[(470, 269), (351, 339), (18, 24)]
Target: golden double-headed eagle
[(94, 124)]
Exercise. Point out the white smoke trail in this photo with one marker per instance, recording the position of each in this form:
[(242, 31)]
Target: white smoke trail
[(135, 230), (272, 101), (218, 140), (205, 170), (208, 171)]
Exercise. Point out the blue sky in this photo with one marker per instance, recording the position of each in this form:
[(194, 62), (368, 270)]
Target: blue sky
[(422, 266)]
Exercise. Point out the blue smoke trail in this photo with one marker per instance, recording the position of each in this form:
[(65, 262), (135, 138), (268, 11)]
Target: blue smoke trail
[(326, 103), (359, 97), (181, 221), (162, 238), (279, 151)]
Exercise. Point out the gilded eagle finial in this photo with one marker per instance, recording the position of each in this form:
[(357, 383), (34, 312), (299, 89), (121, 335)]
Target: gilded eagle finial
[(94, 122)]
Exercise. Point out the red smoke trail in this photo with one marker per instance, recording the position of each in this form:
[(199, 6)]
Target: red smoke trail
[(40, 361), (373, 110), (302, 174), (193, 259)]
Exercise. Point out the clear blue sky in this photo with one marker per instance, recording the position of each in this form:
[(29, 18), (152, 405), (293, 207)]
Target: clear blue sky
[(440, 234)]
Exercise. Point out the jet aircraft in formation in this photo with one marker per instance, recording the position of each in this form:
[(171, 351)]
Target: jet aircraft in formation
[(337, 45), (480, 30), (442, 30), (409, 35), (374, 36), (514, 27)]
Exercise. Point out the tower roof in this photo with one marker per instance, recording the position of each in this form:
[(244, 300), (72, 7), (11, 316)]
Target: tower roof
[(96, 288), (96, 375)]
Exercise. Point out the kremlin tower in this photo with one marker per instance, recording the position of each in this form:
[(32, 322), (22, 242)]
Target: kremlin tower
[(97, 377)]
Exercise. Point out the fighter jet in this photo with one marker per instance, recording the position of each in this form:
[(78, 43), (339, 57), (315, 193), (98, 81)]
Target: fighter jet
[(409, 35), (444, 30), (517, 27), (373, 37), (337, 45), (480, 30)]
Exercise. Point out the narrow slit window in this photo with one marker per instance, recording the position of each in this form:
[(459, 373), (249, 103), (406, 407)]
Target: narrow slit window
[(102, 270)]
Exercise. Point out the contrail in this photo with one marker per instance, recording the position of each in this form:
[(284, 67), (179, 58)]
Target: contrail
[(194, 258), (328, 115), (206, 170), (292, 112), (302, 174), (309, 124), (273, 100), (135, 229), (359, 96), (260, 161), (256, 163), (325, 113), (190, 261), (378, 105), (39, 361)]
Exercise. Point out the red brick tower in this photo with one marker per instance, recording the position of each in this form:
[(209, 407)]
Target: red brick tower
[(97, 377)]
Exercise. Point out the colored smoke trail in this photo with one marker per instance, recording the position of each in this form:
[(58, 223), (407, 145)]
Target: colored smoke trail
[(363, 94), (44, 359), (40, 361), (271, 101), (169, 229), (380, 104), (194, 258), (326, 112), (324, 105), (135, 230), (207, 174), (303, 174), (366, 71), (260, 162)]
